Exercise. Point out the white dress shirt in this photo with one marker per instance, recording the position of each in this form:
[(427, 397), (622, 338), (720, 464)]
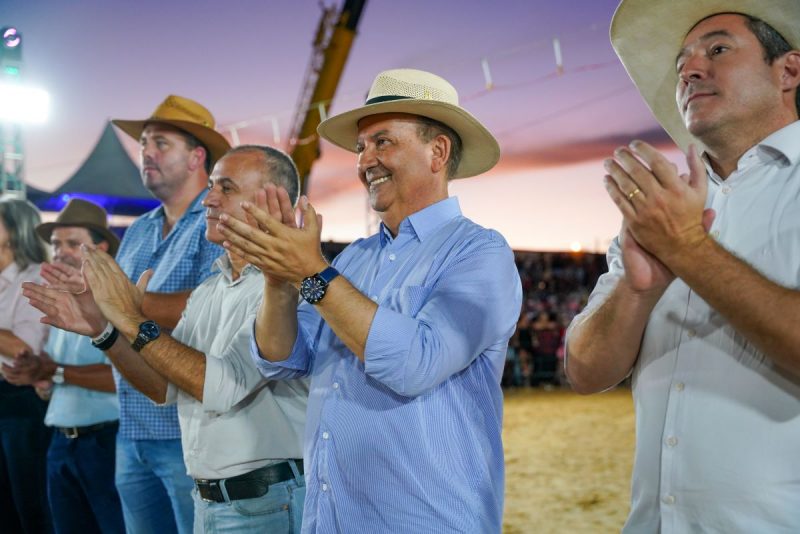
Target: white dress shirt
[(244, 422), (717, 424)]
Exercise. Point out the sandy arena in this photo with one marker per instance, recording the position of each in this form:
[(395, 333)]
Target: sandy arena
[(568, 461)]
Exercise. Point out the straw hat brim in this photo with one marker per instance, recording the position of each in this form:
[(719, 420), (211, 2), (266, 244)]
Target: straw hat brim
[(45, 231), (214, 141), (480, 149), (647, 36)]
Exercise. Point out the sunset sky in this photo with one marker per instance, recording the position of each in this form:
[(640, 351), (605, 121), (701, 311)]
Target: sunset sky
[(245, 60)]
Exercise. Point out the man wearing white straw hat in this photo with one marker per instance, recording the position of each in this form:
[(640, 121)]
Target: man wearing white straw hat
[(701, 301), (404, 336)]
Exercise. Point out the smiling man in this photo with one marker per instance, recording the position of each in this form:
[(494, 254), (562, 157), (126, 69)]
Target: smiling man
[(405, 335), (706, 321)]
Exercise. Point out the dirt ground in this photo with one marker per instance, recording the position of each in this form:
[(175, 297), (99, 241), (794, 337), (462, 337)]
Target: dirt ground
[(568, 461)]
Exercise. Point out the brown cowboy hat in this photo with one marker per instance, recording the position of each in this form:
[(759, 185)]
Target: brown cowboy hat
[(184, 114), (648, 34), (84, 214), (418, 93)]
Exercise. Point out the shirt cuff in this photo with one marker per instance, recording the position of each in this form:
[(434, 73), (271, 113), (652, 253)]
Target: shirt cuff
[(293, 366)]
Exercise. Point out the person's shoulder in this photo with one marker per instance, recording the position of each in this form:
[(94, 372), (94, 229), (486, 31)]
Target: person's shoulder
[(473, 234)]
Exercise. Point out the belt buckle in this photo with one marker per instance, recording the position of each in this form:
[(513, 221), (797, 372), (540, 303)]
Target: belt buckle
[(71, 432), (201, 484)]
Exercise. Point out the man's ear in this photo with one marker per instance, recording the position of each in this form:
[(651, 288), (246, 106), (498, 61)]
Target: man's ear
[(102, 245), (790, 77), (197, 158), (440, 149)]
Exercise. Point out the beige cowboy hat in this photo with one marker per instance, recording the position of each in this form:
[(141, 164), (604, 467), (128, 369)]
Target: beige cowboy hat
[(648, 34), (418, 93), (86, 215), (184, 114)]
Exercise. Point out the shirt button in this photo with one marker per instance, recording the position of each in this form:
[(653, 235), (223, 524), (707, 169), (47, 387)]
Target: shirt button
[(325, 435), (725, 190), (691, 333), (672, 441), (324, 487), (374, 298), (679, 386), (715, 234), (668, 499), (335, 385), (392, 257)]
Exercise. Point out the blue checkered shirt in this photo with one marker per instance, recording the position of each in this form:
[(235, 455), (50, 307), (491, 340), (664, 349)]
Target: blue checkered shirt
[(180, 262)]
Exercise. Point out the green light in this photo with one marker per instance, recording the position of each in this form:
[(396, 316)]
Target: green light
[(13, 71)]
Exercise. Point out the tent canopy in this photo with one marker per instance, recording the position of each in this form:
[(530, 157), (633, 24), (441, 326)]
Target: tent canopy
[(107, 177)]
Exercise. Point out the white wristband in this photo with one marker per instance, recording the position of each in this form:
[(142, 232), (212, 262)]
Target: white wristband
[(105, 334)]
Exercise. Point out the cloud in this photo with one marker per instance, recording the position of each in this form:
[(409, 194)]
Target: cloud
[(583, 150)]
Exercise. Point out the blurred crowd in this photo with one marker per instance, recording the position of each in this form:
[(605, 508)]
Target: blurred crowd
[(555, 288)]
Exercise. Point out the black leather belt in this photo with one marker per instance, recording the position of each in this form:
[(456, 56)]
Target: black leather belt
[(247, 486), (73, 432)]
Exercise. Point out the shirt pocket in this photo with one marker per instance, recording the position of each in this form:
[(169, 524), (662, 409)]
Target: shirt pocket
[(408, 300)]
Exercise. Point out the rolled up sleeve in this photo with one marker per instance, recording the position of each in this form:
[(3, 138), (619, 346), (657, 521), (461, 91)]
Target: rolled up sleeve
[(438, 331)]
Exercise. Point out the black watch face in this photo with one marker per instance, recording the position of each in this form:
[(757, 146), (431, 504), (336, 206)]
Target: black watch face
[(313, 289)]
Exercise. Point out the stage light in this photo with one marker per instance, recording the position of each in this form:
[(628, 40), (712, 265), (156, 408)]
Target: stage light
[(11, 37), (19, 103)]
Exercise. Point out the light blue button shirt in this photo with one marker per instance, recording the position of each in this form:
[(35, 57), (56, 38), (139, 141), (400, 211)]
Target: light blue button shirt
[(411, 440), (73, 405)]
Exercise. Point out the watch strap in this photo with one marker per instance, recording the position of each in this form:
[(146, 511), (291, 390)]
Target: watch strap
[(328, 274)]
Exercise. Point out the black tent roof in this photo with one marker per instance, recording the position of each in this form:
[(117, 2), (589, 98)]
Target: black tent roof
[(107, 177)]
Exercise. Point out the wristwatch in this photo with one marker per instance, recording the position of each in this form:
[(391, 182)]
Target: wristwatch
[(148, 331), (313, 288), (58, 376)]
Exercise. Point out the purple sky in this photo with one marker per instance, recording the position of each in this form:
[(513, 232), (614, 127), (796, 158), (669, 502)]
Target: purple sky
[(245, 59)]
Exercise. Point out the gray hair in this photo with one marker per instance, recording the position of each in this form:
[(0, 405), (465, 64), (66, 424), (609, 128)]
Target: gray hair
[(279, 168), (20, 219), (428, 129)]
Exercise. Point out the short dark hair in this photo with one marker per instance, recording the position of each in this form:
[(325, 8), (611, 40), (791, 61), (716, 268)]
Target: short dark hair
[(192, 142), (428, 129), (279, 168), (774, 45)]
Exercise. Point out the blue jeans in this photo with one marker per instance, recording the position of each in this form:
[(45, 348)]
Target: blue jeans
[(80, 483), (155, 491), (279, 511)]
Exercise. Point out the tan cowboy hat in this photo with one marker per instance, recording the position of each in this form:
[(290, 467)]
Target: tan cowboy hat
[(187, 115), (86, 215), (418, 93), (648, 35)]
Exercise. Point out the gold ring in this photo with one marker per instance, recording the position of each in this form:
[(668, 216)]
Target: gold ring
[(634, 193)]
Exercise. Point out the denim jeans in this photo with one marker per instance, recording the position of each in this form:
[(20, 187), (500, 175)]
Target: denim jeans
[(279, 511), (80, 483), (155, 491)]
